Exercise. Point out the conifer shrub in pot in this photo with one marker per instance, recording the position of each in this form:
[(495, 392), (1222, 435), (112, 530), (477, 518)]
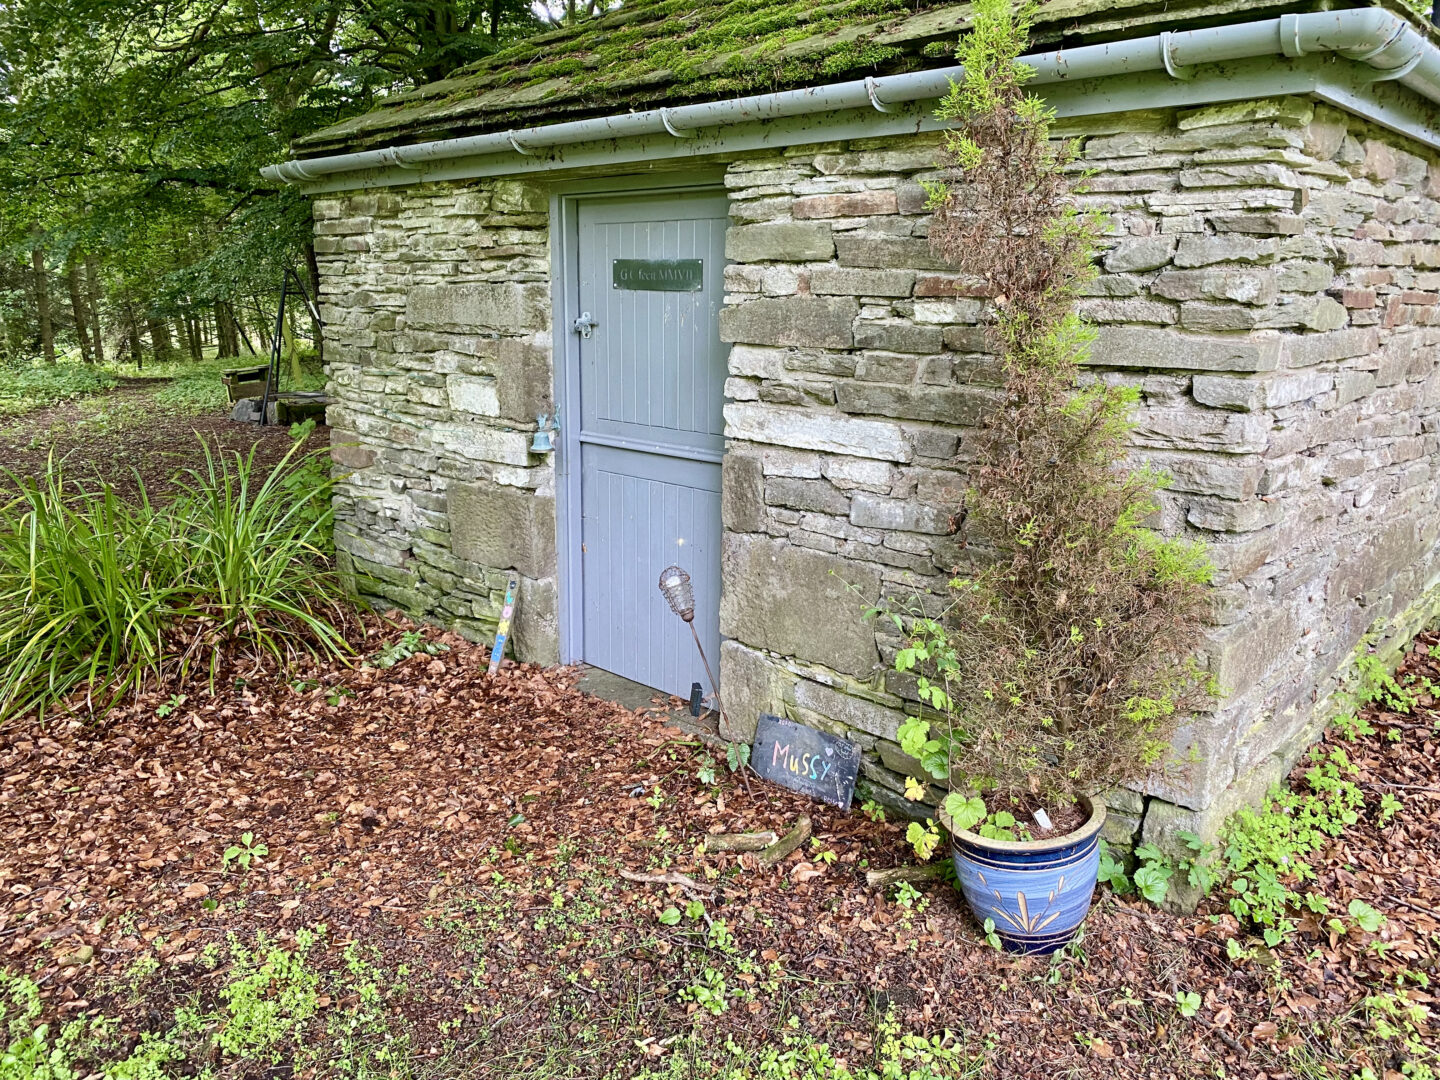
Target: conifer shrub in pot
[(1061, 663)]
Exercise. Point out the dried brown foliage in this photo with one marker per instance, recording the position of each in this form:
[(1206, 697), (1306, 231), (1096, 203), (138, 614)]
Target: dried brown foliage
[(389, 817)]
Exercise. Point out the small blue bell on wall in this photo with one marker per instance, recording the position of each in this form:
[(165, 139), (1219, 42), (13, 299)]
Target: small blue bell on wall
[(544, 440)]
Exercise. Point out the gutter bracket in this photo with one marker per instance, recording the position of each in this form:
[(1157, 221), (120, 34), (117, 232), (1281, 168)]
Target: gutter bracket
[(516, 145), (679, 133), (1290, 36), (1390, 74), (872, 91), (392, 156), (1386, 74), (1174, 70)]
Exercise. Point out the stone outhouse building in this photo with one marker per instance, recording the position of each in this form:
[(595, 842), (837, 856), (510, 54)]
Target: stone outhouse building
[(695, 235)]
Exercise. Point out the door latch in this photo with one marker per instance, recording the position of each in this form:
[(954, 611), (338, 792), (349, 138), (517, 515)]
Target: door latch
[(584, 325)]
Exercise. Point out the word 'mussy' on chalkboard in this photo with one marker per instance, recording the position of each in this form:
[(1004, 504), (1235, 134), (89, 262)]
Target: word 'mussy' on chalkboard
[(805, 760)]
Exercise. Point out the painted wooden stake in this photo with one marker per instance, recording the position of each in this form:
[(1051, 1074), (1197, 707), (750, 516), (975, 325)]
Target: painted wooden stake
[(502, 632)]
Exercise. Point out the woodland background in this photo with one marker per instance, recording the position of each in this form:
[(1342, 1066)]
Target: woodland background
[(134, 224)]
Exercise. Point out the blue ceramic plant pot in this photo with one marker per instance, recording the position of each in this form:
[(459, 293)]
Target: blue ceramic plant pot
[(1037, 891)]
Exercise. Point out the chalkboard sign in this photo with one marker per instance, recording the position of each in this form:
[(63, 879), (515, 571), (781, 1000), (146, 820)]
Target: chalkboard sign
[(805, 760)]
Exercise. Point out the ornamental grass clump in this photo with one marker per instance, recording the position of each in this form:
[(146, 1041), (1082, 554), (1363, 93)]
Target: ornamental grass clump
[(103, 595), (1061, 665)]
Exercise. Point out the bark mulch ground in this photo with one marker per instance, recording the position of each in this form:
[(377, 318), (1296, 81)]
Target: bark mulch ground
[(474, 832), (123, 434)]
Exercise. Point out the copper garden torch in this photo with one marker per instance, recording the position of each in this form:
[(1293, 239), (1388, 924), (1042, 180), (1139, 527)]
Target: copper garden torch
[(680, 595)]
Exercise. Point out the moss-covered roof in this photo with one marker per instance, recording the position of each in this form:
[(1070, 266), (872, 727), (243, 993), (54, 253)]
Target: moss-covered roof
[(669, 52)]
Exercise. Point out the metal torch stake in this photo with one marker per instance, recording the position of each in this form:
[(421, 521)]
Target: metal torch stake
[(714, 689), (679, 594)]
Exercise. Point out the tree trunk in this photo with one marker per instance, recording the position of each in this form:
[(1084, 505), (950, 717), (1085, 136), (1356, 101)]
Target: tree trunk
[(92, 287), (77, 307), (182, 336), (221, 352), (292, 351), (239, 330), (159, 338), (192, 334), (225, 335), (313, 268), (261, 325), (132, 326), (42, 305)]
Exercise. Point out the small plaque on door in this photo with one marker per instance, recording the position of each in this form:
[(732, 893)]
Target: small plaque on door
[(659, 275)]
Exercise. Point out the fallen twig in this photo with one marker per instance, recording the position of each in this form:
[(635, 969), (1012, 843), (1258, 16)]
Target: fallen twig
[(922, 872), (1403, 787), (671, 877), (1431, 912), (688, 885), (786, 844), (745, 841), (1228, 1040)]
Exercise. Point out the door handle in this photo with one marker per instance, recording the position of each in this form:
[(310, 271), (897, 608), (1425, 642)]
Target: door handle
[(584, 325)]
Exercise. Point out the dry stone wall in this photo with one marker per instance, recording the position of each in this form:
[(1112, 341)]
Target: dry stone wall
[(1270, 285), (436, 303)]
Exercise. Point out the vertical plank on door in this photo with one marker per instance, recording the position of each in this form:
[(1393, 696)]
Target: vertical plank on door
[(651, 388)]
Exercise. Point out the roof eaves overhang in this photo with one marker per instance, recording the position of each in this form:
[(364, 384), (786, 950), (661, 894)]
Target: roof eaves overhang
[(1366, 60)]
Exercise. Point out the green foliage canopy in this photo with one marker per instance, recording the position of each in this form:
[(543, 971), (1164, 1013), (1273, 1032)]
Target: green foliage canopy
[(135, 131)]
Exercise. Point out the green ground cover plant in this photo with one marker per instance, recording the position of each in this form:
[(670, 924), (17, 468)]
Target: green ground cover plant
[(267, 1011), (95, 590), (796, 1055), (196, 387), (24, 389), (1265, 862), (1262, 864), (1266, 849), (286, 1010)]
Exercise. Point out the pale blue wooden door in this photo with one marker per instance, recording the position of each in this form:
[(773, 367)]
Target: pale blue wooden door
[(652, 376)]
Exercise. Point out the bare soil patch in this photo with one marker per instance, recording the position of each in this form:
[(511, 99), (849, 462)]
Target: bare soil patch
[(123, 434), (473, 831)]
